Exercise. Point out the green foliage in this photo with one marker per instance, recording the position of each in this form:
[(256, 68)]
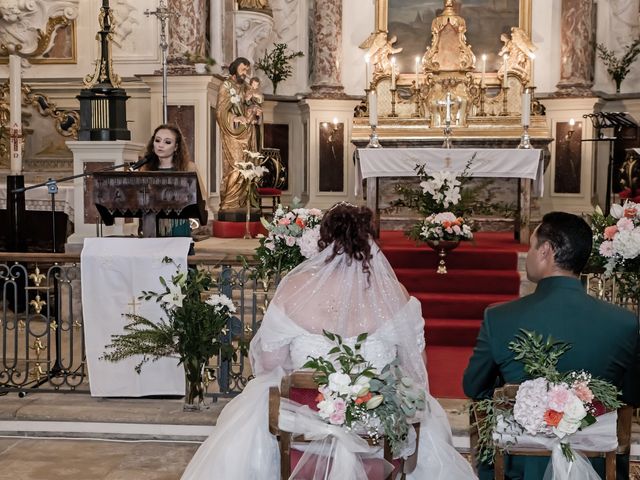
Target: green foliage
[(618, 68), (539, 356), (198, 58), (194, 329), (276, 64)]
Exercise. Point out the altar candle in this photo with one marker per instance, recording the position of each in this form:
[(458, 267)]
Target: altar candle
[(526, 107), (393, 73), (533, 57), (505, 78), (417, 66), (366, 72), (335, 122), (484, 68), (373, 109)]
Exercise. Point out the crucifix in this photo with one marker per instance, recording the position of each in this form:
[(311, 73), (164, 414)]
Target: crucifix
[(133, 305), (163, 13), (447, 120)]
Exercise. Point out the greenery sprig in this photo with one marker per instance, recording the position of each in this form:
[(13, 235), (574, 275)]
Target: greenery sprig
[(276, 64), (617, 67)]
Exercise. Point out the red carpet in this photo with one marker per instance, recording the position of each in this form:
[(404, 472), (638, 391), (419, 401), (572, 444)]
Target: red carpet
[(480, 274)]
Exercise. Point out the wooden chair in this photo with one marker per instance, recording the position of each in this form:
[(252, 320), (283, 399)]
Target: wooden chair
[(265, 193), (509, 392), (302, 388)]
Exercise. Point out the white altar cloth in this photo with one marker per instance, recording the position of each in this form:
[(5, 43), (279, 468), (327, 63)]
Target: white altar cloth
[(39, 199), (114, 272), (489, 162)]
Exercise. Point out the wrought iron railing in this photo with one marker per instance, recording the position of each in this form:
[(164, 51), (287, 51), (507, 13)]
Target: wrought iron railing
[(42, 329)]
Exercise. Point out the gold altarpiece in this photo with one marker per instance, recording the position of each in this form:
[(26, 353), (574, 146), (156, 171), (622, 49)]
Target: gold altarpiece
[(485, 109)]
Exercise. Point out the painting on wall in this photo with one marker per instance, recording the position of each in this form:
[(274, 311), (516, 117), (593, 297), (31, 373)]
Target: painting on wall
[(410, 21), (568, 162)]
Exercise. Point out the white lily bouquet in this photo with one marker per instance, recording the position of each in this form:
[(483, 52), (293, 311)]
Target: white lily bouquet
[(354, 395)]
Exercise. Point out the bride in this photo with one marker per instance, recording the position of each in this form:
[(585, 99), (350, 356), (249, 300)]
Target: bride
[(348, 288)]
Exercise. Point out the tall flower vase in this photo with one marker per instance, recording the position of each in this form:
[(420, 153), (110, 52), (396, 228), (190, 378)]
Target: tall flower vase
[(194, 384), (442, 247)]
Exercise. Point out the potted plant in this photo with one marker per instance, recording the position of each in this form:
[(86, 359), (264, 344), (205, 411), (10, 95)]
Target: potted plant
[(618, 68), (276, 64), (201, 63), (198, 324)]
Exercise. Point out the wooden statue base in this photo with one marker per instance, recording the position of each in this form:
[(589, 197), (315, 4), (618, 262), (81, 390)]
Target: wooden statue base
[(236, 229)]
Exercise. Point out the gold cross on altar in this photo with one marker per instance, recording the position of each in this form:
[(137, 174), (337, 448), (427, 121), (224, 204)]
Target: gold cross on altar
[(447, 162)]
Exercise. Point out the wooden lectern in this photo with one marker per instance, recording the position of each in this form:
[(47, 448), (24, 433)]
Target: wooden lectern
[(148, 195)]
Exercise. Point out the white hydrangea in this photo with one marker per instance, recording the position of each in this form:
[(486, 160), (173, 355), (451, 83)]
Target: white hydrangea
[(308, 242), (627, 243), (531, 403)]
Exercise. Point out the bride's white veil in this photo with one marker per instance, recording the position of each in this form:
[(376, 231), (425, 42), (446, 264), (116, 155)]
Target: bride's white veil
[(338, 295)]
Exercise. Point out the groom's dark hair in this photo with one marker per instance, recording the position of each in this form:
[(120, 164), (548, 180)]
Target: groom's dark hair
[(570, 237)]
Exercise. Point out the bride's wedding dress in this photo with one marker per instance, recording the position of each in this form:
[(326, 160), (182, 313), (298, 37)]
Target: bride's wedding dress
[(338, 297)]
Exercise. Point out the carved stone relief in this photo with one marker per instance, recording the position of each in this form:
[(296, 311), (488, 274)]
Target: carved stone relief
[(254, 32), (188, 32), (22, 23)]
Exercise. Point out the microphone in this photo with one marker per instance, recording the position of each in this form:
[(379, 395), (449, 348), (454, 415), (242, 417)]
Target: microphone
[(143, 161)]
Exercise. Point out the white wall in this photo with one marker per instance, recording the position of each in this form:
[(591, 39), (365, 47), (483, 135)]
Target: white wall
[(545, 34), (358, 22)]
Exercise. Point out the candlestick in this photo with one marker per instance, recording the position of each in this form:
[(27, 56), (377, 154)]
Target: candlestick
[(505, 101), (373, 109), (505, 78), (525, 138), (393, 103), (366, 71), (393, 73), (417, 74), (526, 108), (484, 68)]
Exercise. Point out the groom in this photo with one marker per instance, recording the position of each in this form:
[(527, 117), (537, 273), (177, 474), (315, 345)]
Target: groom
[(604, 337)]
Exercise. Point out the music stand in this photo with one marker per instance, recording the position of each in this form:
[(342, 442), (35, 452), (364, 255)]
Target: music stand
[(617, 121)]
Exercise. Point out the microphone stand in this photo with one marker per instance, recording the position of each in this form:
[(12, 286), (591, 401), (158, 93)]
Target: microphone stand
[(52, 189)]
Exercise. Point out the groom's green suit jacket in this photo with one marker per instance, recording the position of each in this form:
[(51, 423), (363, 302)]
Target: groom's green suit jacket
[(604, 341)]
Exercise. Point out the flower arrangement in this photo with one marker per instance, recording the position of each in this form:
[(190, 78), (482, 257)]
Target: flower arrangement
[(354, 395), (292, 237), (251, 174), (194, 330), (276, 64), (442, 200), (618, 68), (444, 226), (551, 404)]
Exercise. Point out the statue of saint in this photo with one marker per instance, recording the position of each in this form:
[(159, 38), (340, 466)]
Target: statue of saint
[(253, 4), (237, 118)]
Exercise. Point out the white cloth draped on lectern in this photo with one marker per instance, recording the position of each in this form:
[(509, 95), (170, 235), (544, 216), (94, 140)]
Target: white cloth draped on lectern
[(114, 273)]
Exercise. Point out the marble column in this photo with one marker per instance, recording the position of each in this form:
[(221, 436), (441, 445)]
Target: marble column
[(326, 79), (577, 48), (188, 32)]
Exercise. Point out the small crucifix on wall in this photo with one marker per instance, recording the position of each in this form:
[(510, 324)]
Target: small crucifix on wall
[(133, 305)]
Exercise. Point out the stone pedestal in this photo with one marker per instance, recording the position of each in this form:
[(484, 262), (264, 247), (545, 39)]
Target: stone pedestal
[(91, 156)]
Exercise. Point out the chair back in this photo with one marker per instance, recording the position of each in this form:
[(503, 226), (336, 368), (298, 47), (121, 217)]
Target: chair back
[(301, 387), (505, 397)]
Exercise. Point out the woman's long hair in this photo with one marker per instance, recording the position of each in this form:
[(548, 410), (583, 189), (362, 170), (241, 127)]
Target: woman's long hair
[(180, 159), (350, 229)]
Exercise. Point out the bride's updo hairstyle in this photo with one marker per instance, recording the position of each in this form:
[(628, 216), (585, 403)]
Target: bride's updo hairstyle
[(349, 228)]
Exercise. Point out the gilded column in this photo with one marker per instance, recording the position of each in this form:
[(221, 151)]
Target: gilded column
[(188, 32), (326, 79), (577, 48)]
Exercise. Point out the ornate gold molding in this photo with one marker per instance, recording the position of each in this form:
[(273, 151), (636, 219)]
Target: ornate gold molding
[(67, 122), (44, 43)]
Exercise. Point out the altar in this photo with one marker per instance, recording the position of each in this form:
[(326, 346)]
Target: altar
[(525, 164)]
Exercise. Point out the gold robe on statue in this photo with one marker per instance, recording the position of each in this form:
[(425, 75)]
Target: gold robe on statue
[(236, 137)]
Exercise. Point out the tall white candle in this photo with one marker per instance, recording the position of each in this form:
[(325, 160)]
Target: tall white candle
[(533, 57), (393, 73), (15, 120), (526, 108), (417, 72), (373, 108), (366, 72), (505, 78), (484, 68)]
